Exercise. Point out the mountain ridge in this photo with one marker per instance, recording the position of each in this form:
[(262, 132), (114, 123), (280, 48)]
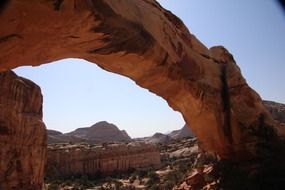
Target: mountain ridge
[(99, 132)]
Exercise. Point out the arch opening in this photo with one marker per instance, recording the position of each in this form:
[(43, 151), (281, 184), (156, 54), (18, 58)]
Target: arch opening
[(125, 157), (78, 94)]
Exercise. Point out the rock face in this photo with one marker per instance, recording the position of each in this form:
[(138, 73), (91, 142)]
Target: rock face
[(101, 132), (277, 110), (95, 160), (22, 134), (150, 45)]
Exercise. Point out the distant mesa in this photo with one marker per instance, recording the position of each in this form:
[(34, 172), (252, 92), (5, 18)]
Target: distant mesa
[(277, 110), (58, 137), (97, 133), (125, 134), (157, 138), (53, 132), (100, 132), (107, 132), (184, 132)]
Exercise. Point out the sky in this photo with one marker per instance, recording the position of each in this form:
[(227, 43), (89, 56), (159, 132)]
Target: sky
[(79, 94)]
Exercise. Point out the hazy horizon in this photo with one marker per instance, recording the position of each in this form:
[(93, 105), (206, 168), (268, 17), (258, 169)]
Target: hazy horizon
[(79, 94), (121, 129)]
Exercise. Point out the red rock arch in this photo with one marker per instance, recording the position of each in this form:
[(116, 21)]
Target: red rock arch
[(143, 41)]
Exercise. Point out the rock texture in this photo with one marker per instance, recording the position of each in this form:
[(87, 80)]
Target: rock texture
[(22, 134), (197, 179), (276, 109), (150, 45), (65, 160)]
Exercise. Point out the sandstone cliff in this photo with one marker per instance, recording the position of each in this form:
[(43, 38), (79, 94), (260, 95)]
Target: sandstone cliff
[(65, 160), (22, 134)]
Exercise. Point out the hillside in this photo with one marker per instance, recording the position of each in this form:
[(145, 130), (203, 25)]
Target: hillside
[(97, 133), (276, 109)]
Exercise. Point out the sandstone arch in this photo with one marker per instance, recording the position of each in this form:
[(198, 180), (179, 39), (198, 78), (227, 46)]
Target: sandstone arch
[(143, 41)]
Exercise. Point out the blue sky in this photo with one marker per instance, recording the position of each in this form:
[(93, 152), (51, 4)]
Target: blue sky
[(79, 94), (252, 30)]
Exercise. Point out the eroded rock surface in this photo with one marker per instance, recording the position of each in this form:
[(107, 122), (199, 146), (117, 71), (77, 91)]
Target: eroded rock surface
[(22, 134), (65, 160), (276, 109), (145, 42)]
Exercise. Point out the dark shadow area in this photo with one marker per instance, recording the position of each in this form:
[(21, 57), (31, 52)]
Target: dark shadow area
[(265, 172), (3, 4), (282, 3)]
